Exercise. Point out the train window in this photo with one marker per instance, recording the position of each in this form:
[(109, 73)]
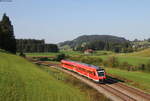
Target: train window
[(94, 73), (100, 73)]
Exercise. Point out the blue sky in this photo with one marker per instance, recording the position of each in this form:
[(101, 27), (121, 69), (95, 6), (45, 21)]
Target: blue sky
[(60, 20)]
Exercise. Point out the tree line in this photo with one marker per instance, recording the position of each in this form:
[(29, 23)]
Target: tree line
[(7, 38), (124, 47), (33, 45)]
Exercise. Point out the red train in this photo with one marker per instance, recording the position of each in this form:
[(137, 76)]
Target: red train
[(93, 72)]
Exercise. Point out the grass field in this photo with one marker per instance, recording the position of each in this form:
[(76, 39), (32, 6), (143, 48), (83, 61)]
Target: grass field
[(74, 53), (23, 81), (138, 79), (143, 53), (136, 58), (133, 60), (41, 54)]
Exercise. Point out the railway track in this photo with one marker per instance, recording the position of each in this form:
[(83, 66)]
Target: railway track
[(138, 94), (116, 91)]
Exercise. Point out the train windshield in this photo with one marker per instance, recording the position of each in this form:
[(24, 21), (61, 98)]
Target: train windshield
[(100, 73)]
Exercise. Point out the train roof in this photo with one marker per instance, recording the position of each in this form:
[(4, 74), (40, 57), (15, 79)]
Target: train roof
[(89, 65)]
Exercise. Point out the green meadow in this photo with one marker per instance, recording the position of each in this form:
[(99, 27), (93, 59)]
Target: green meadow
[(138, 79), (74, 53), (21, 80), (136, 58)]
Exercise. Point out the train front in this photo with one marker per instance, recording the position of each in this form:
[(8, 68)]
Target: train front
[(101, 75)]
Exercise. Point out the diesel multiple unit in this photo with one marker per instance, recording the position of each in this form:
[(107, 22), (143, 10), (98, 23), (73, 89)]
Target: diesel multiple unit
[(92, 72)]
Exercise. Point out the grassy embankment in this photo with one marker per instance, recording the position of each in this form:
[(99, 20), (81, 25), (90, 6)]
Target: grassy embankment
[(21, 80)]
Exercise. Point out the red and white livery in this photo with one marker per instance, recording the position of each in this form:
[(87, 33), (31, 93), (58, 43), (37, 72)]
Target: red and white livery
[(93, 72)]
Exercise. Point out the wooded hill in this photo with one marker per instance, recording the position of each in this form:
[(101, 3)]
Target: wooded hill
[(98, 42)]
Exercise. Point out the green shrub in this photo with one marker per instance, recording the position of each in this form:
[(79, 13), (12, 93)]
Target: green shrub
[(22, 54), (59, 57), (148, 67), (44, 59), (141, 67), (144, 67)]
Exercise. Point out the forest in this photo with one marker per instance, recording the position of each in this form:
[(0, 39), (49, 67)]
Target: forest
[(34, 45)]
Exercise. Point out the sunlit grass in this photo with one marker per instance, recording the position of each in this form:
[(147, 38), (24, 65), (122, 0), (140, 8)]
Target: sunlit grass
[(21, 80), (137, 79)]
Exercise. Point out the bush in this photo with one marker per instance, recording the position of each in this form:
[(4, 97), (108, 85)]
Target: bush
[(145, 67), (44, 59), (148, 67), (127, 66), (141, 67), (22, 54), (59, 57)]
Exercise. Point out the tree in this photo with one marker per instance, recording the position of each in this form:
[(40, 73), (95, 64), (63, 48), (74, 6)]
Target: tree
[(136, 40), (7, 37), (1, 36), (148, 39), (59, 57), (107, 46), (22, 54)]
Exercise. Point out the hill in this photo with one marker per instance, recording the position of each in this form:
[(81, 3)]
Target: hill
[(91, 38), (21, 80)]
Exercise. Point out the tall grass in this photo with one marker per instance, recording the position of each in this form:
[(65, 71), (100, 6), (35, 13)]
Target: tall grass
[(23, 81)]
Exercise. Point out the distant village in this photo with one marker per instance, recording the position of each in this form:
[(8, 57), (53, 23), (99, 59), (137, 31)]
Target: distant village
[(138, 44)]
